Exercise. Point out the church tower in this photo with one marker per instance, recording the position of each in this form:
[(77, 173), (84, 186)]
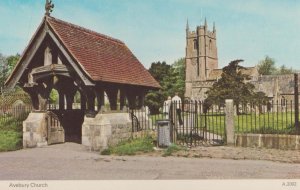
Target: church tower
[(201, 55)]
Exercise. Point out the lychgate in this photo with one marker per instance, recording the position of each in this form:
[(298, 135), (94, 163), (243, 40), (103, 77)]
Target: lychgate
[(74, 60)]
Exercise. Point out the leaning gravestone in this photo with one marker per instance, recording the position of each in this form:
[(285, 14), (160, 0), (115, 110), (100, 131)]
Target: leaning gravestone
[(18, 109)]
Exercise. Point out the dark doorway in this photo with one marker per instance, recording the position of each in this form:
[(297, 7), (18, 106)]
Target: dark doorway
[(72, 121)]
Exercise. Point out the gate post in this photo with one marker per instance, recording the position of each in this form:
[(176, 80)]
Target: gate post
[(229, 121), (296, 94)]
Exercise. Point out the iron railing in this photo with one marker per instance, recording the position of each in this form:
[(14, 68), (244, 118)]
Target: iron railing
[(11, 115), (272, 117)]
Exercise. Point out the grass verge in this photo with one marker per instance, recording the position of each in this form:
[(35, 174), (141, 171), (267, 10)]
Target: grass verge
[(10, 134), (131, 147), (172, 149)]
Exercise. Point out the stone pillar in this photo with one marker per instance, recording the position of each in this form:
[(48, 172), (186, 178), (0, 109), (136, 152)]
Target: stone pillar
[(35, 130), (105, 130), (229, 119)]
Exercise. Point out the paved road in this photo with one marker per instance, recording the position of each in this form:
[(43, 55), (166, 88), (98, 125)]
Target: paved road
[(71, 161)]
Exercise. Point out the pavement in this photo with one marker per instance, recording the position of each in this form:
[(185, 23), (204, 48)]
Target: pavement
[(242, 153), (71, 161)]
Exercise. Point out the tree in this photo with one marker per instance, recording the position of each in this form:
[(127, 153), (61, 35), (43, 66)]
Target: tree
[(7, 64), (178, 72), (172, 80), (12, 61), (3, 70), (283, 70), (267, 66), (232, 85), (160, 70)]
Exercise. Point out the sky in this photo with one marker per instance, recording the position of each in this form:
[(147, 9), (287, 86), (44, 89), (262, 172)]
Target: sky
[(154, 30)]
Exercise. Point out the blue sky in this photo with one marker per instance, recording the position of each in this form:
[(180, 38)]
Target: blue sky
[(155, 29)]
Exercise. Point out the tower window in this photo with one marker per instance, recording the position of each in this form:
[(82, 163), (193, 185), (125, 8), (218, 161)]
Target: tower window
[(195, 44), (210, 44)]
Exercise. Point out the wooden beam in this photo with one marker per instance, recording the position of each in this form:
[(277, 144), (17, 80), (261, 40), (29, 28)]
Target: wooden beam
[(28, 56), (82, 75)]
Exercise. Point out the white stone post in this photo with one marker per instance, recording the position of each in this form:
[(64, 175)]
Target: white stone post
[(229, 120)]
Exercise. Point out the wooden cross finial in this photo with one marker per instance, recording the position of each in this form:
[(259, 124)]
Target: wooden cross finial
[(48, 7)]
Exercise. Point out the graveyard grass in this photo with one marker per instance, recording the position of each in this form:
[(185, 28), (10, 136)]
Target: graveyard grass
[(264, 123)]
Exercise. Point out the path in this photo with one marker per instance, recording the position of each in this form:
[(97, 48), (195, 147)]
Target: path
[(71, 161)]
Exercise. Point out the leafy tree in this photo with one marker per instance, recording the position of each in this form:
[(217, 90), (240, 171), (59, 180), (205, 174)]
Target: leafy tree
[(232, 85), (7, 65), (267, 66), (160, 70), (172, 80), (154, 99), (3, 70), (283, 70), (178, 72), (12, 61)]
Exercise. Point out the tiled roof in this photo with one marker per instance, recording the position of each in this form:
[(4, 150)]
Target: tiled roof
[(103, 58)]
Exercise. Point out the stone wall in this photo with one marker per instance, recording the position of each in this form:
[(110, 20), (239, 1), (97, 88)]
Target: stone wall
[(35, 130), (268, 141), (106, 129)]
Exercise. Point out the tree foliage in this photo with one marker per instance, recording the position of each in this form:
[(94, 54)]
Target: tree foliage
[(233, 85), (267, 67), (3, 70), (283, 70), (172, 80), (7, 65)]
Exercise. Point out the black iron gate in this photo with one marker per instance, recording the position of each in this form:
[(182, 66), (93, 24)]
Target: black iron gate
[(192, 124)]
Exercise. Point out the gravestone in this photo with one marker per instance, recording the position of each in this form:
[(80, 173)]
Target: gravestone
[(18, 109)]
